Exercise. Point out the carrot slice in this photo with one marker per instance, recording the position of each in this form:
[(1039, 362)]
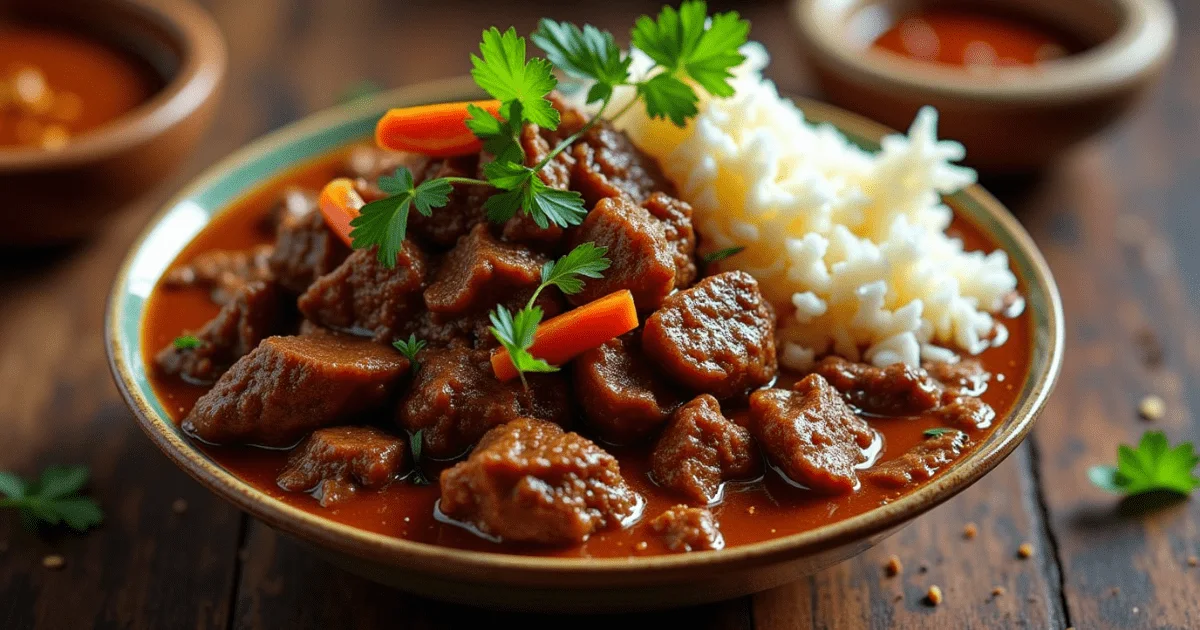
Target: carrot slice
[(562, 338), (436, 130), (339, 203)]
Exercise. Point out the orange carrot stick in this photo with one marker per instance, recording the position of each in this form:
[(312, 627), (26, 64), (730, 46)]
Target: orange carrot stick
[(436, 130), (339, 203), (562, 338)]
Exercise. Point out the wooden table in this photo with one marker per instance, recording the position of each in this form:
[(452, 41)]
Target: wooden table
[(1116, 221)]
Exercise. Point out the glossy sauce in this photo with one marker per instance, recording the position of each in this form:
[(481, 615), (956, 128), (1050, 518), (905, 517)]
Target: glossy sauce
[(56, 85), (751, 512), (973, 39)]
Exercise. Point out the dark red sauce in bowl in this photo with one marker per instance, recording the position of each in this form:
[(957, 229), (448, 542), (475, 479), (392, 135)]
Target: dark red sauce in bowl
[(972, 38)]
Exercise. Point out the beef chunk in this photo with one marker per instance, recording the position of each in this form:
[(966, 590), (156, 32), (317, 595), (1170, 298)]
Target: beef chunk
[(684, 528), (896, 390), (363, 297), (642, 259), (676, 218), (700, 449), (293, 203), (965, 377), (446, 225), (479, 271), (333, 463), (921, 463), (811, 434), (622, 396), (305, 249), (965, 412), (223, 272), (472, 329), (537, 144), (529, 481), (607, 164), (254, 314), (455, 399), (717, 337), (289, 386)]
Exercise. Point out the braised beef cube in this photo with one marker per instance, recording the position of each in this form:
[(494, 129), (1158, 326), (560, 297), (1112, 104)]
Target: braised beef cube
[(642, 259), (607, 164), (676, 217), (364, 297), (529, 481), (473, 329), (537, 144), (811, 434), (963, 377), (920, 463), (523, 229), (334, 460), (305, 249), (223, 272), (684, 528), (455, 398), (446, 225), (256, 313), (700, 449), (622, 396), (895, 390), (965, 412), (717, 337), (295, 202), (480, 271), (289, 386)]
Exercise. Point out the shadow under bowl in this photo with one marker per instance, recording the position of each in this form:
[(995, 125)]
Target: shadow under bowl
[(1011, 119), (53, 197), (537, 583)]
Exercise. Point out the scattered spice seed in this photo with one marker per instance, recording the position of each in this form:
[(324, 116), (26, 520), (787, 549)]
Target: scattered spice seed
[(922, 569), (1116, 590), (934, 596), (1192, 560), (999, 591), (1152, 408), (970, 531), (1025, 551), (893, 566), (54, 562), (179, 506), (899, 597)]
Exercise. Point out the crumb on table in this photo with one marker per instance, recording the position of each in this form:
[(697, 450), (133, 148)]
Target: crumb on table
[(893, 566), (1025, 551), (970, 531), (934, 596), (1152, 408)]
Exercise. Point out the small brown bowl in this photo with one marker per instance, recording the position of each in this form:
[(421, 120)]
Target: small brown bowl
[(64, 195), (1010, 118)]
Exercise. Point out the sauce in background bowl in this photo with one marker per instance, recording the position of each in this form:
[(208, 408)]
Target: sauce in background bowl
[(972, 38), (56, 84)]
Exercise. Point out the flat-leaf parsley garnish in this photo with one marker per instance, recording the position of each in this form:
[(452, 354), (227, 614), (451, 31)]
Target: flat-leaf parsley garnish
[(410, 348), (186, 342), (938, 432), (53, 499), (416, 443), (515, 331), (688, 49), (722, 254), (1153, 466)]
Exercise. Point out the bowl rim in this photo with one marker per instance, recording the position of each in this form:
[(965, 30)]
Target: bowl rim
[(201, 69), (554, 571), (1140, 47)]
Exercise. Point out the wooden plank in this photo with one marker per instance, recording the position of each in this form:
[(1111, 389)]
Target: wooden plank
[(935, 551)]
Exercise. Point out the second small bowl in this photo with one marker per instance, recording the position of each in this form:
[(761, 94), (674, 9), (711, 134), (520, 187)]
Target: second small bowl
[(1010, 119)]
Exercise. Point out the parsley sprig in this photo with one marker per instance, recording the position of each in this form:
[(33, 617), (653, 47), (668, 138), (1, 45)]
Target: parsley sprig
[(1153, 466), (689, 50), (186, 342), (515, 331), (53, 499), (410, 348), (416, 444)]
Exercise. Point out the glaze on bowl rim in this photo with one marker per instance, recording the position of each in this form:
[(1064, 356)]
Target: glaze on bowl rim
[(202, 60), (245, 170), (1142, 43)]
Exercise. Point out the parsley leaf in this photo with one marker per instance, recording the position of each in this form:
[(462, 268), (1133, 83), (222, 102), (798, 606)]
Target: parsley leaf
[(416, 443), (53, 499), (685, 40), (516, 333), (938, 432), (722, 254), (1152, 466), (545, 205), (502, 71), (585, 54), (668, 97), (586, 260), (410, 348), (186, 342), (384, 222), (501, 137)]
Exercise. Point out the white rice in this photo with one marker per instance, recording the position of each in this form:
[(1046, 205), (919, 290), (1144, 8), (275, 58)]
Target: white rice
[(849, 245)]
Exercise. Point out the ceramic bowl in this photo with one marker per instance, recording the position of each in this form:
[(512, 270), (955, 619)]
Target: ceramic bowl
[(54, 197), (532, 583), (1010, 119)]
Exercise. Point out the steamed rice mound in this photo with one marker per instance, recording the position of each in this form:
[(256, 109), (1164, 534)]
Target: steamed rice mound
[(849, 244)]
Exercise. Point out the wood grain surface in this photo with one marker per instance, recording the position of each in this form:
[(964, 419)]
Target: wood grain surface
[(1117, 221)]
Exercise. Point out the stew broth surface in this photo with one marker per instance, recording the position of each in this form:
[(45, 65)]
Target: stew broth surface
[(751, 511)]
